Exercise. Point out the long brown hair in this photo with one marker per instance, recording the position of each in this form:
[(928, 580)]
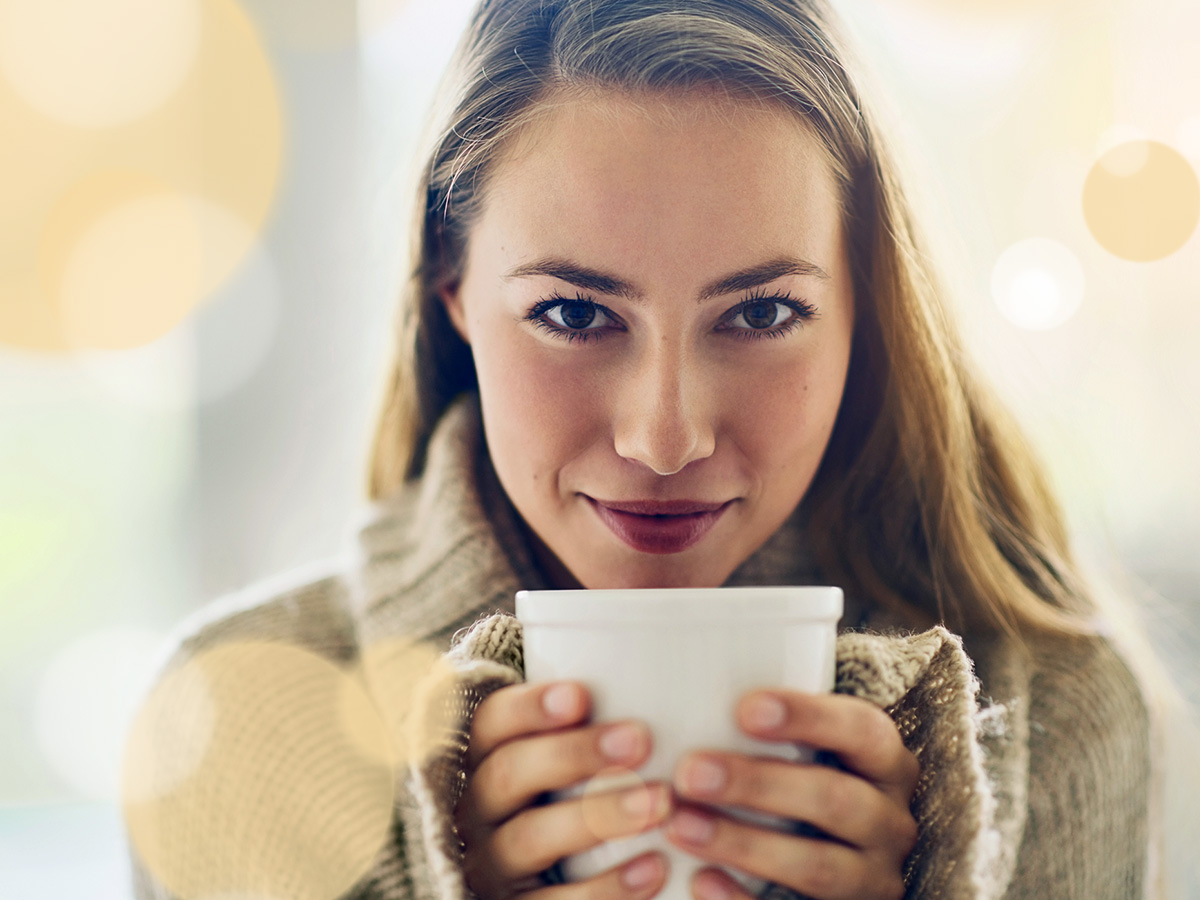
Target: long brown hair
[(927, 501)]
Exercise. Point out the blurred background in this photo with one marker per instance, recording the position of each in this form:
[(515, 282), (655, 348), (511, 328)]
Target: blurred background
[(202, 214)]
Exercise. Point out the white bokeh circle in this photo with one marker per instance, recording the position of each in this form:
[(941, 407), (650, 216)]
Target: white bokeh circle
[(85, 701), (1037, 284)]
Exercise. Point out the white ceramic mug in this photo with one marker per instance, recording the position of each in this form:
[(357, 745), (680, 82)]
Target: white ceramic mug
[(679, 659)]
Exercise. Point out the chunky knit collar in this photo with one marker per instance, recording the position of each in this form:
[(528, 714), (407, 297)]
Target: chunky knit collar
[(448, 551)]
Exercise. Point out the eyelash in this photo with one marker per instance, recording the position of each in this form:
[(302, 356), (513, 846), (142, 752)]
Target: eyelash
[(804, 312)]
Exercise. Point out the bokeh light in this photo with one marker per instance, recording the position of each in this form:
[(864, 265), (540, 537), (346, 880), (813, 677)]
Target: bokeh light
[(110, 237), (1141, 201), (85, 701), (292, 794), (144, 266), (961, 59), (1134, 149), (413, 685), (170, 736), (1037, 284), (237, 326), (97, 63)]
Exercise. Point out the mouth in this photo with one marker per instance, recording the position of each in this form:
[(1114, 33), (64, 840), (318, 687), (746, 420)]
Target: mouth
[(659, 526)]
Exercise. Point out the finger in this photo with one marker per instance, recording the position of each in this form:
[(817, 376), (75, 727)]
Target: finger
[(823, 870), (863, 736), (639, 879), (537, 837), (523, 709), (716, 884), (841, 804), (515, 773)]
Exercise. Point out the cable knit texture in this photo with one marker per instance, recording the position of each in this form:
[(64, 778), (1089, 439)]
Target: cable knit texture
[(1034, 760)]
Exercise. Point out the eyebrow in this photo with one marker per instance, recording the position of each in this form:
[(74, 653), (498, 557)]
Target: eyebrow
[(602, 283)]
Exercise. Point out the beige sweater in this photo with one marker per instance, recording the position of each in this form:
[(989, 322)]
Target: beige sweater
[(304, 737)]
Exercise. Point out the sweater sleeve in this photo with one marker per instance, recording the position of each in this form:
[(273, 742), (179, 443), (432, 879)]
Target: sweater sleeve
[(258, 763), (1086, 829), (925, 681)]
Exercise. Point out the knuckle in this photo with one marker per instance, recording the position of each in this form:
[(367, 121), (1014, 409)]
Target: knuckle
[(735, 841), (821, 875), (498, 774), (519, 848), (747, 783), (833, 796), (811, 715)]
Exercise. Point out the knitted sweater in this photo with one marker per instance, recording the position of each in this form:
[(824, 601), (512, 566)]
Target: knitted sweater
[(304, 738)]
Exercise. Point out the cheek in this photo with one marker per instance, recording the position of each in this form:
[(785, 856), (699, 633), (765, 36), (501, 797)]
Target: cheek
[(539, 411), (786, 412)]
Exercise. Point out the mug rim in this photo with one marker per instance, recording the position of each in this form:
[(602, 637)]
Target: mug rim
[(681, 606)]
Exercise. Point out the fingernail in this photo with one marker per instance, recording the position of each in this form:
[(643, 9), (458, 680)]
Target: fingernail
[(637, 803), (623, 741), (561, 701), (765, 712), (709, 886), (692, 828), (703, 775), (642, 872), (647, 803)]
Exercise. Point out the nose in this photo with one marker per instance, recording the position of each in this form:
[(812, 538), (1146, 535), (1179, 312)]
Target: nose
[(663, 417)]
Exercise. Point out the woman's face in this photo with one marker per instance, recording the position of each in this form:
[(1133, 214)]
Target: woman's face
[(658, 299)]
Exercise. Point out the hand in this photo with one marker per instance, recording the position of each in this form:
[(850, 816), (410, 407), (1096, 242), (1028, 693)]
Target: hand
[(527, 740), (864, 810)]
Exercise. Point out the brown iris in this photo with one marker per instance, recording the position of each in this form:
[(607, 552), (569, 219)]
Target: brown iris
[(577, 314), (760, 314)]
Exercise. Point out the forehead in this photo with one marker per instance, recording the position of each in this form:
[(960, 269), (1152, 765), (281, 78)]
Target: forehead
[(636, 177)]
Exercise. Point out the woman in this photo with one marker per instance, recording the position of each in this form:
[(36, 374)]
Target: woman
[(669, 324)]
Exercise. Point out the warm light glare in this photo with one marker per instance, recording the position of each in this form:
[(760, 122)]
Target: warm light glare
[(97, 63), (111, 237), (291, 792), (959, 59), (212, 354), (1123, 150), (1141, 201), (413, 685), (1037, 284), (145, 266)]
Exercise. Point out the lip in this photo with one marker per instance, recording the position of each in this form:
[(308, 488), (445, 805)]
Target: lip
[(659, 526)]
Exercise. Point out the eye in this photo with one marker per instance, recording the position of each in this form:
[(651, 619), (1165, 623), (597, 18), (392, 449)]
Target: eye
[(764, 316), (574, 314), (577, 319), (760, 314)]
